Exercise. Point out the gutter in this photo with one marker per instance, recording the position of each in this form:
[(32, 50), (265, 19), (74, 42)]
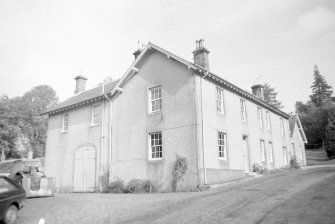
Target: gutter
[(202, 130)]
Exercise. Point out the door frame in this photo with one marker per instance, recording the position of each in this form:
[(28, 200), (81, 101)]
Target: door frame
[(246, 152), (84, 147)]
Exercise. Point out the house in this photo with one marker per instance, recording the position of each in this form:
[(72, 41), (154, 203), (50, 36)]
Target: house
[(297, 139), (161, 107)]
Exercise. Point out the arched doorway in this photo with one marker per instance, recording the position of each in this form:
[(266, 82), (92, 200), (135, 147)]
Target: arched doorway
[(84, 169)]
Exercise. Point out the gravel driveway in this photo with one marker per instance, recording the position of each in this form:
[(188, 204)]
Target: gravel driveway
[(288, 196)]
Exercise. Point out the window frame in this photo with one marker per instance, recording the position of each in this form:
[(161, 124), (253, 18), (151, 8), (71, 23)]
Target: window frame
[(150, 148), (260, 117), (159, 99), (93, 123), (268, 120), (220, 102), (65, 122), (243, 110), (271, 158), (262, 148), (282, 130), (222, 148)]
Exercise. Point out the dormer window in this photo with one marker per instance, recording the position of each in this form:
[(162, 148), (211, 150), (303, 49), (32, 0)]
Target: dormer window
[(96, 114), (65, 126)]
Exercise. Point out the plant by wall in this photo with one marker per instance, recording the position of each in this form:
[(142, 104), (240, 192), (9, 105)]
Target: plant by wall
[(294, 163), (259, 169), (178, 171), (140, 186)]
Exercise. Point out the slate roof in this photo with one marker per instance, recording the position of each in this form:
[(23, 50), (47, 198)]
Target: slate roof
[(292, 122), (86, 96)]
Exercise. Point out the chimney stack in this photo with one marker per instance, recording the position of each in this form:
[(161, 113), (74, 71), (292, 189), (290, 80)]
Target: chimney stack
[(140, 47), (200, 55), (258, 91), (80, 84)]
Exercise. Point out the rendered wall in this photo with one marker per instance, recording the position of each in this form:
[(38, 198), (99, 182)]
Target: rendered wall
[(132, 123), (219, 170)]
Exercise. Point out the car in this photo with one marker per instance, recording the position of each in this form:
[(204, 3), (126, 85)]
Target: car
[(12, 197)]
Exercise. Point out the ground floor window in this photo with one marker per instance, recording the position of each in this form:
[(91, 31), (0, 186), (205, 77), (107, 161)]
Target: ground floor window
[(285, 156), (222, 145), (155, 145), (262, 147), (270, 152)]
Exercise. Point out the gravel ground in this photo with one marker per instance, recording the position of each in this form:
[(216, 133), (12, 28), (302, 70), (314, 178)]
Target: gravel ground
[(287, 196)]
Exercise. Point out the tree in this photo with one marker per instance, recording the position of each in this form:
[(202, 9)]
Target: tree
[(321, 91), (22, 127), (270, 96)]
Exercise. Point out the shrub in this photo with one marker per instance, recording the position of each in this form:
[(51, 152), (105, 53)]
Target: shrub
[(178, 171), (149, 187), (294, 163), (116, 186), (259, 169), (104, 181), (140, 186)]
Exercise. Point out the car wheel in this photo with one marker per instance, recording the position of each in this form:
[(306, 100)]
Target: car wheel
[(10, 215)]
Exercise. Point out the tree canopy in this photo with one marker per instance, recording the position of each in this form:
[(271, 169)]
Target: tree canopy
[(22, 128), (270, 96), (321, 91)]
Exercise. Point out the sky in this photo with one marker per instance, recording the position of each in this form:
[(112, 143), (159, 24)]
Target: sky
[(44, 42)]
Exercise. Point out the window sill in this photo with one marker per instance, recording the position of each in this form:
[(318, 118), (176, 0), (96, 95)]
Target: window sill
[(224, 160), (155, 160), (220, 113), (64, 132), (94, 125)]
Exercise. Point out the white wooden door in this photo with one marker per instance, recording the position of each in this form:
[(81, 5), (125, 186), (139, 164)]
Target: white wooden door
[(245, 154), (84, 170)]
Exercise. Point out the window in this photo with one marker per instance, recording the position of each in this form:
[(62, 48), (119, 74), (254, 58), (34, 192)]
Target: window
[(219, 100), (65, 122), (222, 145), (262, 150), (270, 152), (260, 117), (268, 121), (155, 99), (96, 114), (155, 145), (282, 126), (243, 110), (6, 186)]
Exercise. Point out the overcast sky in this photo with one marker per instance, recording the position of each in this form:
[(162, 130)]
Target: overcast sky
[(273, 41)]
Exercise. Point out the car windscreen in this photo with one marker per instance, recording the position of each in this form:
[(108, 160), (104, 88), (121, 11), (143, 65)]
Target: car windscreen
[(6, 186)]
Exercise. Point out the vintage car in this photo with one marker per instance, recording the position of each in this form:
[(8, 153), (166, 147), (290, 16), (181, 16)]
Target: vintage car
[(29, 174), (12, 197)]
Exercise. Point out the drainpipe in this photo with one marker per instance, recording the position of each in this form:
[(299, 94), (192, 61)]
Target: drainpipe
[(202, 130), (102, 134)]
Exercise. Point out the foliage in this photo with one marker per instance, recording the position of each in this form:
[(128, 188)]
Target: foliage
[(270, 96), (321, 91), (294, 163), (117, 186), (259, 169), (140, 186), (178, 171), (22, 126), (104, 180)]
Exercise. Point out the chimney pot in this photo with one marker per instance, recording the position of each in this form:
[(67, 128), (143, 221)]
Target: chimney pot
[(200, 55), (80, 84)]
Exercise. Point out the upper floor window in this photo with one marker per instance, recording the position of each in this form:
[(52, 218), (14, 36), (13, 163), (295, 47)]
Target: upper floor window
[(155, 99), (260, 117), (96, 114), (155, 151), (243, 110), (219, 100), (222, 145), (262, 147), (65, 126), (282, 131), (268, 121), (271, 152)]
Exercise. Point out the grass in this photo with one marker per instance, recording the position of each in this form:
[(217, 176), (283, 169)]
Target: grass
[(318, 157)]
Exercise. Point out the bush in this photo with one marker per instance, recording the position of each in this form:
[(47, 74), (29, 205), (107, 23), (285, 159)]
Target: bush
[(140, 186), (116, 186), (259, 169), (104, 181), (178, 171), (294, 163)]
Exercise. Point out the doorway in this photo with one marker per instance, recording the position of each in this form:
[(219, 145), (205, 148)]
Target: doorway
[(84, 169), (245, 153)]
